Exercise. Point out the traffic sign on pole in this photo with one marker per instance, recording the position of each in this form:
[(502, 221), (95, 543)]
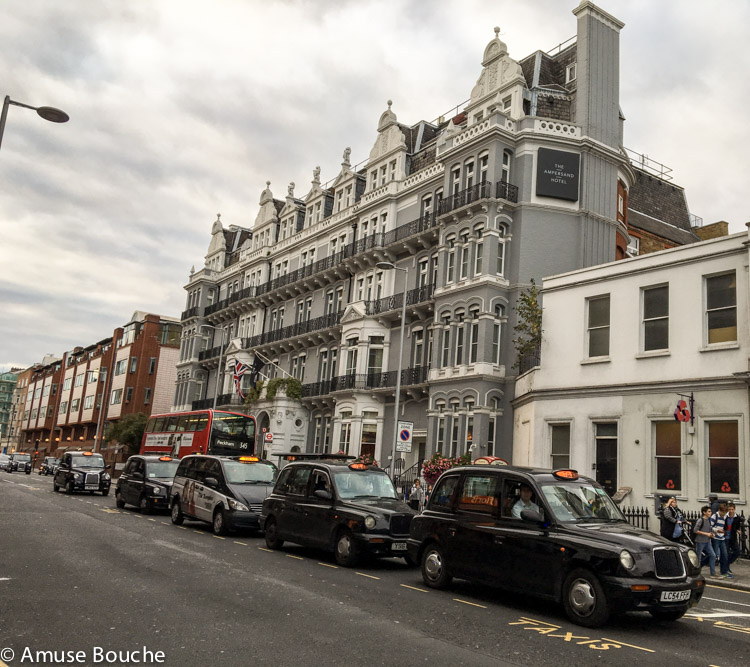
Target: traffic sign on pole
[(403, 439)]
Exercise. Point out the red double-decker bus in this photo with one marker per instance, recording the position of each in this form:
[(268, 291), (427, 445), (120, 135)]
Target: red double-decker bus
[(199, 432)]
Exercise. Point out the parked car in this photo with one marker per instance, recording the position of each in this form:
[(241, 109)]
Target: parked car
[(226, 492), (146, 482), (20, 462), (49, 465), (551, 534), (4, 462), (347, 508), (82, 471)]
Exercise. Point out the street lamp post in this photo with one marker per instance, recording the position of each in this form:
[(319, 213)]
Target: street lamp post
[(390, 266), (48, 113), (220, 370)]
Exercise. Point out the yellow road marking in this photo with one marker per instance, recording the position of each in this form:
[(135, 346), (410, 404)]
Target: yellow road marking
[(137, 516), (617, 641), (473, 604), (414, 588), (244, 544), (182, 527), (335, 567), (270, 551), (220, 538), (296, 557), (725, 588), (154, 520), (369, 576), (109, 511), (200, 532), (166, 523)]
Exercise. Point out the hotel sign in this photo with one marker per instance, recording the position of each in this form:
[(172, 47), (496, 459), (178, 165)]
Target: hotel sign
[(557, 174)]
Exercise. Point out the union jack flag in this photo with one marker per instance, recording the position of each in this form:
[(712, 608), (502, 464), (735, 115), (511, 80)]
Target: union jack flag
[(239, 371)]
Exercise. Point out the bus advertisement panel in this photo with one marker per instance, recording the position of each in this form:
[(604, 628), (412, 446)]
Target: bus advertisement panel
[(200, 432)]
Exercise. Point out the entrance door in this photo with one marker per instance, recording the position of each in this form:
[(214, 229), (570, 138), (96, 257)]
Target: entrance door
[(606, 456)]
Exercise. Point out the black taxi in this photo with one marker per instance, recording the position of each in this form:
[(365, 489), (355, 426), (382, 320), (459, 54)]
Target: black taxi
[(82, 471), (550, 534), (347, 508), (146, 483), (48, 466), (20, 462)]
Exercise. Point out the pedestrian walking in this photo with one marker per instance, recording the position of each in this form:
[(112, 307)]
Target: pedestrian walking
[(732, 527), (703, 535), (718, 526), (416, 496), (671, 521)]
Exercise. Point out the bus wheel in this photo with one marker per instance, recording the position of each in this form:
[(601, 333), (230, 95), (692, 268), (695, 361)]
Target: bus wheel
[(177, 517), (220, 522)]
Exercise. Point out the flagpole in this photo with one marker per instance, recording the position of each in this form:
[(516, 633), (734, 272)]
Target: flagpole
[(270, 363)]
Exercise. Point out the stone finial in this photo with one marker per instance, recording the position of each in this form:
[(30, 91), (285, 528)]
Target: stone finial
[(316, 176), (290, 190), (497, 32), (347, 157), (192, 269)]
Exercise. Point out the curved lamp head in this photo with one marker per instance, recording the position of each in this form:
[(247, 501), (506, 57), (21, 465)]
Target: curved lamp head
[(386, 266), (53, 115)]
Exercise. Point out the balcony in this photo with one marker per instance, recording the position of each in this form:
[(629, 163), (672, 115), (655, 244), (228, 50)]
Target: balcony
[(234, 298), (299, 329), (190, 312), (366, 381), (394, 302), (210, 354), (483, 190)]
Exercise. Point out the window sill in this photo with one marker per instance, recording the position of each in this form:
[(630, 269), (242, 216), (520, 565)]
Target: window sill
[(595, 360), (655, 353), (716, 347)]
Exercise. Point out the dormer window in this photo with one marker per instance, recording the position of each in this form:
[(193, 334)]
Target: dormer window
[(507, 102), (570, 73)]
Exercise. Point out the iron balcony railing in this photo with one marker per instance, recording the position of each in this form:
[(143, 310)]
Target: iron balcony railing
[(190, 312), (395, 301), (299, 329), (503, 190), (211, 353), (360, 381)]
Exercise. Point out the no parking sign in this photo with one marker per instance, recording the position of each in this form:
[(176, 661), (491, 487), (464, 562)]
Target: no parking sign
[(403, 438)]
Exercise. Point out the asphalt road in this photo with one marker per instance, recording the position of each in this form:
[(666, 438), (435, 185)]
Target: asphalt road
[(78, 575)]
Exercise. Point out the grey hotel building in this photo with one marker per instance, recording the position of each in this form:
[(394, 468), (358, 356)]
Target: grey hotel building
[(530, 179)]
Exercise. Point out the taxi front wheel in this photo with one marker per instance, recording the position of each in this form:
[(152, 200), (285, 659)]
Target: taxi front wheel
[(346, 550), (584, 600), (272, 535), (434, 569)]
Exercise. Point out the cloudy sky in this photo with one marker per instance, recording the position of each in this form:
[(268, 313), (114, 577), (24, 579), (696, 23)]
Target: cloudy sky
[(181, 109)]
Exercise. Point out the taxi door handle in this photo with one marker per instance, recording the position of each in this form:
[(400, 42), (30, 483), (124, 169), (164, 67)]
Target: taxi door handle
[(498, 539), (452, 532)]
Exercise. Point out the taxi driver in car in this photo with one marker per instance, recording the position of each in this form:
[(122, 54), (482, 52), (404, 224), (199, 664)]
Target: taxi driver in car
[(524, 502)]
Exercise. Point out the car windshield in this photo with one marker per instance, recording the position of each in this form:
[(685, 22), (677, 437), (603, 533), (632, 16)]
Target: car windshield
[(164, 469), (95, 461), (363, 484), (238, 472), (581, 503), (22, 457)]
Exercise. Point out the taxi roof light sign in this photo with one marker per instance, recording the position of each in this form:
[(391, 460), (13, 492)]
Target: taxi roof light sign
[(249, 459), (165, 458), (358, 466), (566, 473)]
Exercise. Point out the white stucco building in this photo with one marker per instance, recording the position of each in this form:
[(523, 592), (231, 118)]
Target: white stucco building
[(622, 344)]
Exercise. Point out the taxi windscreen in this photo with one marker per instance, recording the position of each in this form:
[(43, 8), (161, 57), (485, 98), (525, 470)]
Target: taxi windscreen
[(238, 472), (163, 469), (363, 484), (581, 502), (95, 461), (22, 457)]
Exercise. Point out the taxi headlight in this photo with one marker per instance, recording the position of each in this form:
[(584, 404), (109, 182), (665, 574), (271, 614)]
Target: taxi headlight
[(237, 505), (78, 477), (693, 558), (370, 522), (156, 490), (105, 476), (627, 560)]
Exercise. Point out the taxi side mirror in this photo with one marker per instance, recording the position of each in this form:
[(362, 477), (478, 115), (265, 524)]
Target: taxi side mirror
[(211, 482), (323, 494), (532, 516), (107, 467)]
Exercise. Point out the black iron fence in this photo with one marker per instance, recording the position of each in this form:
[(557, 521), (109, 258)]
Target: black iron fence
[(639, 517), (409, 377)]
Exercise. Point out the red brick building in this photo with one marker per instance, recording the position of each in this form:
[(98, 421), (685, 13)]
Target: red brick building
[(70, 401)]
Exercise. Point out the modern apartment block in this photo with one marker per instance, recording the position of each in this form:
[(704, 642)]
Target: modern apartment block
[(8, 408), (132, 371), (530, 179)]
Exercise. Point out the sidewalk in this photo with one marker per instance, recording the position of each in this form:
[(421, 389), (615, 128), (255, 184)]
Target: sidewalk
[(741, 570)]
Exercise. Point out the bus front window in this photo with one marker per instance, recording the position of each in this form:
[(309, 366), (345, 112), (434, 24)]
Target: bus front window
[(234, 425)]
